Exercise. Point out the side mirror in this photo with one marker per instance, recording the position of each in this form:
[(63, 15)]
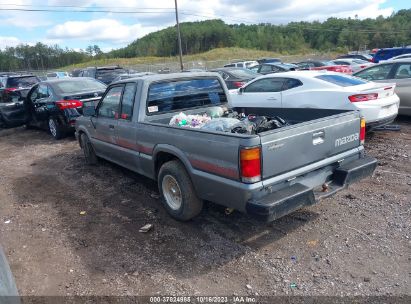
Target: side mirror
[(240, 91), (89, 110)]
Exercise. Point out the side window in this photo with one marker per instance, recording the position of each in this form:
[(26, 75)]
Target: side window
[(34, 94), (109, 106), (224, 75), (265, 69), (43, 91), (378, 72), (403, 71), (265, 85), (291, 83), (275, 69), (128, 101)]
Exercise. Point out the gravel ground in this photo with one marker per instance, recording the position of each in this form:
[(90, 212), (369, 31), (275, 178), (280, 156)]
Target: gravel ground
[(72, 229)]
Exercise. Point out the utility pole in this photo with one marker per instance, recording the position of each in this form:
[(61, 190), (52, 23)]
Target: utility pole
[(179, 38)]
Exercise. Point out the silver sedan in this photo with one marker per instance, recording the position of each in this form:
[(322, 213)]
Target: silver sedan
[(399, 72)]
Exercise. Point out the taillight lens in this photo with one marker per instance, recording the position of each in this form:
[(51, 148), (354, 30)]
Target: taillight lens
[(362, 131), (363, 97), (69, 104), (250, 164), (8, 90), (238, 84)]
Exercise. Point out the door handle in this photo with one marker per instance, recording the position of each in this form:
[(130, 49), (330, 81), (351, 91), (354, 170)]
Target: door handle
[(271, 98), (111, 126)]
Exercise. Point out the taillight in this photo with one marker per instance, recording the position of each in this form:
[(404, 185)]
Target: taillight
[(69, 104), (250, 164), (8, 90), (363, 97), (238, 84), (362, 131)]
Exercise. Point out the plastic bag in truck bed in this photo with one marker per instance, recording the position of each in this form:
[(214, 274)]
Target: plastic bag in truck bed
[(254, 124), (189, 121), (224, 120)]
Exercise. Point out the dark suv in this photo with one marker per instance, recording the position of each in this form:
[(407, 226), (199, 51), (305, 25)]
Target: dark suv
[(104, 74), (14, 87)]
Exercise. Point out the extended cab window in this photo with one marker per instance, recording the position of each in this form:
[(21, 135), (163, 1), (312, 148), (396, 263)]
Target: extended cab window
[(109, 106), (128, 101), (184, 94)]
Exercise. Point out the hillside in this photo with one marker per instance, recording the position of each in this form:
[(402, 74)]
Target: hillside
[(218, 56), (295, 37)]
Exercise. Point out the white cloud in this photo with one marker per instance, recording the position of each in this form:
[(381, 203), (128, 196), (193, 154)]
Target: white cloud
[(22, 19), (99, 30), (115, 30), (234, 11), (8, 41)]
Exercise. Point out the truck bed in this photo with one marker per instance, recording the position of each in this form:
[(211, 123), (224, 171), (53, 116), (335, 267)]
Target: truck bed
[(310, 137)]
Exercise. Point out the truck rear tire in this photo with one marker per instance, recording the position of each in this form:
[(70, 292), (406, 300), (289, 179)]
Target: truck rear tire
[(177, 191), (88, 150)]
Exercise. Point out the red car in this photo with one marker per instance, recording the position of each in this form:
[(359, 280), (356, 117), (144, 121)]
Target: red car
[(324, 65)]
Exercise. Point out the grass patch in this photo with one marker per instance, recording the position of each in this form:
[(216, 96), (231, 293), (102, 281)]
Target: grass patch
[(219, 56)]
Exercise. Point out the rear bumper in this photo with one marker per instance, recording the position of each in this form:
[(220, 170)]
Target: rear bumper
[(379, 123), (287, 200)]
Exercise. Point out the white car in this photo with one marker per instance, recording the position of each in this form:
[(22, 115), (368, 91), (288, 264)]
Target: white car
[(242, 64), (377, 102)]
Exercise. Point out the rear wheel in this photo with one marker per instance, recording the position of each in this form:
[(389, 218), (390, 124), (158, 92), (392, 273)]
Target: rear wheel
[(176, 188), (55, 128), (88, 150)]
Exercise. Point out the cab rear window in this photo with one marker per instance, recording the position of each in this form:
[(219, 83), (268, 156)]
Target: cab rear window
[(184, 94), (341, 80)]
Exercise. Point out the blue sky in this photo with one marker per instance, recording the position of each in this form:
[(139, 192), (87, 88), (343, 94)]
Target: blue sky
[(122, 21)]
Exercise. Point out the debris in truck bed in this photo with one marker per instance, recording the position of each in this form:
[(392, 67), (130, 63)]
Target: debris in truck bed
[(189, 121), (256, 124), (225, 120), (223, 124)]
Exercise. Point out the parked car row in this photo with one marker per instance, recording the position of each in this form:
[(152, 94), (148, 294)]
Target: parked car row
[(287, 85)]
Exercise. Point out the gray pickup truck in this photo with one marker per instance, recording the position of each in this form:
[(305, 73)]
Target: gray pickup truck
[(266, 175)]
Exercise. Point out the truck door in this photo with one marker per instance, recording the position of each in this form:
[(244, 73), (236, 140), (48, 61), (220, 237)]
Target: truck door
[(126, 128), (106, 122), (262, 93)]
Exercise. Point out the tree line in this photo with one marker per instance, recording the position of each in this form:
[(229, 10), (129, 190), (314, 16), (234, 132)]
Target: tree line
[(334, 34), (44, 57)]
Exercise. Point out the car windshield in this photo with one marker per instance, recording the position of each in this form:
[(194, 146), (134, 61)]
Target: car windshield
[(243, 73), (22, 82), (107, 75), (73, 86), (342, 80)]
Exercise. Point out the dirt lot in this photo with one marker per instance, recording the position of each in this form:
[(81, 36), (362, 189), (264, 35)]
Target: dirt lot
[(356, 243)]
